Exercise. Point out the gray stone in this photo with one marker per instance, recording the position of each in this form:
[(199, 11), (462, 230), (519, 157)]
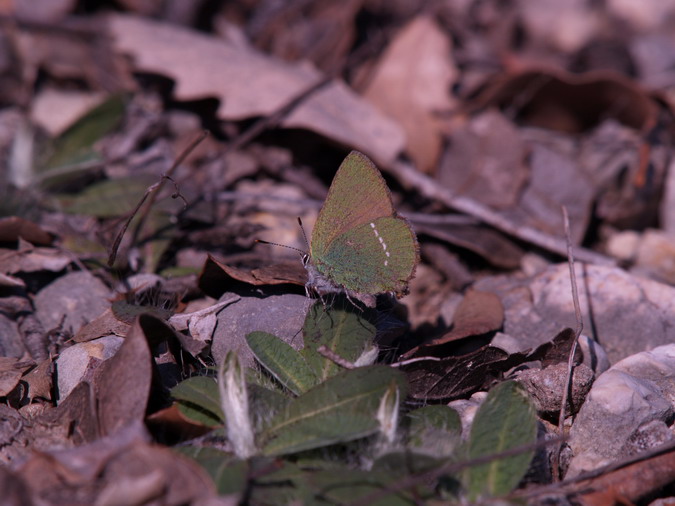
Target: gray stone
[(74, 299), (595, 357), (281, 315), (623, 307), (467, 409), (546, 386), (622, 406)]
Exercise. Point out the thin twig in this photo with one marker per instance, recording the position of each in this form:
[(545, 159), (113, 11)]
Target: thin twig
[(277, 116), (331, 355), (570, 485), (169, 176), (577, 333), (413, 360), (451, 467), (152, 192), (412, 178)]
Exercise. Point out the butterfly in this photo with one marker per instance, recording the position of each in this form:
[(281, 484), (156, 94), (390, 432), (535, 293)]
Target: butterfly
[(360, 246)]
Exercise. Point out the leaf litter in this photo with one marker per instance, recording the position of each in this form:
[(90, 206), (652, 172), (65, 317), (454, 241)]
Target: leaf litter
[(484, 120)]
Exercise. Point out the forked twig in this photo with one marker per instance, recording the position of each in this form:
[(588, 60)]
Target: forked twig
[(152, 192), (573, 349)]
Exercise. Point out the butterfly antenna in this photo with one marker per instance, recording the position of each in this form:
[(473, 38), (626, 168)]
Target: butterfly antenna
[(303, 232), (282, 245)]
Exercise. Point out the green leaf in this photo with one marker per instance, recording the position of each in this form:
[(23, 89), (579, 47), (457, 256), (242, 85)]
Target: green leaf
[(197, 414), (345, 331), (346, 486), (436, 430), (277, 482), (229, 474), (405, 462), (118, 197), (107, 199), (505, 420), (342, 408), (282, 361), (76, 144), (265, 403), (200, 391)]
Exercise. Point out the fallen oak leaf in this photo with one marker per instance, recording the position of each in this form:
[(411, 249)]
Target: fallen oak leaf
[(434, 378), (216, 277), (251, 84), (567, 102), (477, 314)]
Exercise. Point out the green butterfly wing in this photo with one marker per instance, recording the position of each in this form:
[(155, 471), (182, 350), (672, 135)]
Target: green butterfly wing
[(376, 257), (357, 196)]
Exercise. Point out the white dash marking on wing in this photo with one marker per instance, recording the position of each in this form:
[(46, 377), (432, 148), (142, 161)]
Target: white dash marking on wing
[(384, 245)]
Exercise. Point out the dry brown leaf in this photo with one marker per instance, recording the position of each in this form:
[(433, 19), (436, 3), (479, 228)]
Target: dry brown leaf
[(249, 83), (10, 373), (123, 382), (103, 325), (55, 110), (628, 485), (478, 313), (43, 11), (485, 161), (412, 85), (13, 227), (558, 100), (217, 277), (40, 380)]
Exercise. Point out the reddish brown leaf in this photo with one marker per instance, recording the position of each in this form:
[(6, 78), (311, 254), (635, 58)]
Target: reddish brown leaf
[(172, 425), (216, 277), (477, 314), (104, 325), (13, 227), (412, 84), (77, 414), (630, 484), (497, 249), (558, 100)]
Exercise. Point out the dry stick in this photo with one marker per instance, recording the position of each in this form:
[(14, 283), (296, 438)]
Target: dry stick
[(276, 117), (411, 177), (152, 191), (567, 485), (168, 175), (416, 359), (334, 357), (577, 333)]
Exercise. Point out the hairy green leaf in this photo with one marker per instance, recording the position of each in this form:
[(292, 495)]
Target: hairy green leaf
[(282, 361), (342, 408), (506, 420), (347, 332)]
